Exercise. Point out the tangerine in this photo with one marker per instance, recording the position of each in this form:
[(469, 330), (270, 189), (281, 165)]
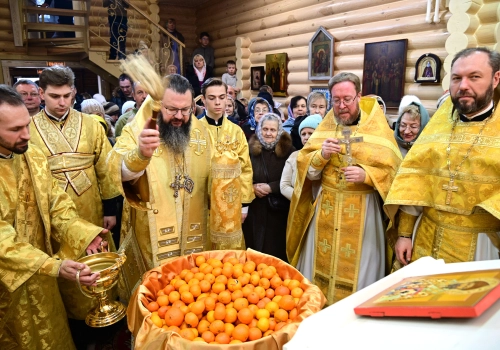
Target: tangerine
[(208, 336), (203, 326), (174, 317), (240, 303), (253, 297), (191, 319), (220, 312), (287, 302), (297, 292), (282, 290), (240, 332), (187, 333), (162, 310), (281, 315), (153, 306), (200, 259), (231, 315), (187, 297), (254, 333), (222, 338), (245, 315), (217, 327)]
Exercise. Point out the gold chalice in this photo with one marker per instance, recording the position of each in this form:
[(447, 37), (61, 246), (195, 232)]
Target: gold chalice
[(107, 312)]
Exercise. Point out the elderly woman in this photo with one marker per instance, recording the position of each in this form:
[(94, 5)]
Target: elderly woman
[(316, 104), (232, 110), (296, 108), (257, 108), (96, 111), (265, 225), (306, 129), (412, 120), (198, 74)]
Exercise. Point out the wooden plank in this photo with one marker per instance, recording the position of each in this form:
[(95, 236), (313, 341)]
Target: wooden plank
[(46, 27), (54, 41), (17, 29), (54, 12)]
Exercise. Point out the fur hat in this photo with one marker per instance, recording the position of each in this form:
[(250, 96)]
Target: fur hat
[(111, 108), (406, 101)]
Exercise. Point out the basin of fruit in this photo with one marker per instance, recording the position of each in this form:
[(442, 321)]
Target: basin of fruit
[(231, 299)]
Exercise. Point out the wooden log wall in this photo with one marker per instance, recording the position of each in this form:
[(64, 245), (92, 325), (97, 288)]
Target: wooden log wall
[(274, 26)]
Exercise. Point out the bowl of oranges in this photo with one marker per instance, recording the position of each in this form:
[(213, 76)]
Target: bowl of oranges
[(230, 299)]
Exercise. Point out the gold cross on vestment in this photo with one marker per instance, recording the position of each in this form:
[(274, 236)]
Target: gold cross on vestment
[(62, 162), (230, 194), (325, 246), (351, 210), (327, 207), (450, 188), (197, 142), (348, 251), (347, 141)]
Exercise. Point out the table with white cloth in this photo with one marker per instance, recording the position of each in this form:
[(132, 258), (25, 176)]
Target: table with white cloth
[(337, 326)]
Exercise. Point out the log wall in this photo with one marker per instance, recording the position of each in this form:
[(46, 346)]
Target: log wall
[(274, 26)]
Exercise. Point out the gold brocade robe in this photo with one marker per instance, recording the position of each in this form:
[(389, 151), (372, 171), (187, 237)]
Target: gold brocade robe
[(165, 227), (36, 216), (232, 183), (449, 231), (341, 206), (76, 150)]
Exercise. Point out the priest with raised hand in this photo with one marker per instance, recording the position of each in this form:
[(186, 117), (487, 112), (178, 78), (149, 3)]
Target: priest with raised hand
[(40, 237), (445, 199), (164, 172), (337, 241)]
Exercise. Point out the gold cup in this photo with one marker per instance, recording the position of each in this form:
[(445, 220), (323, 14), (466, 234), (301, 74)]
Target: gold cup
[(107, 312)]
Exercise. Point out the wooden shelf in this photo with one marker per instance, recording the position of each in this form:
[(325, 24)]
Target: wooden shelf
[(54, 11)]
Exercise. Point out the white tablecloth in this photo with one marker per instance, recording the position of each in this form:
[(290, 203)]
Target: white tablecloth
[(337, 327)]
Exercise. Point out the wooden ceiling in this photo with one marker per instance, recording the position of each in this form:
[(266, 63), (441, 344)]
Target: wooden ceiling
[(184, 3)]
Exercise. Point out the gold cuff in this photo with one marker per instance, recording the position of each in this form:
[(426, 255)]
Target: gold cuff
[(406, 224), (135, 161), (318, 162), (50, 267)]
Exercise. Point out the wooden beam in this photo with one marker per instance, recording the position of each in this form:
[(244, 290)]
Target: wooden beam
[(54, 11), (46, 27), (17, 28)]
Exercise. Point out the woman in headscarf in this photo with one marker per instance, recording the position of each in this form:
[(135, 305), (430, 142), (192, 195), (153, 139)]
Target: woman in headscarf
[(257, 108), (265, 225), (411, 121), (306, 129), (198, 74), (317, 100), (296, 108)]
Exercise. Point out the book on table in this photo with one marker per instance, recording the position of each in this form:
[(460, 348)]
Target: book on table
[(458, 294)]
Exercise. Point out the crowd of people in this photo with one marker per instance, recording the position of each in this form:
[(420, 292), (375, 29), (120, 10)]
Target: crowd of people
[(338, 194)]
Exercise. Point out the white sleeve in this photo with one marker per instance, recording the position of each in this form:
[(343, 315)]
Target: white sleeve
[(412, 209), (128, 175), (314, 174)]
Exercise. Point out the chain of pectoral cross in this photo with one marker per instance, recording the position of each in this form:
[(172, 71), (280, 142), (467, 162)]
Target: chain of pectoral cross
[(450, 187), (180, 172)]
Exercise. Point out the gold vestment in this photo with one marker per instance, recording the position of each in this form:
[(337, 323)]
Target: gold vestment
[(76, 150), (341, 206), (37, 219), (232, 183), (449, 231), (165, 227)]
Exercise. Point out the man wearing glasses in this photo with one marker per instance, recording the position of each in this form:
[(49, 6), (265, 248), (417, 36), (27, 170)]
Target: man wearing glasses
[(29, 92), (163, 173), (339, 243)]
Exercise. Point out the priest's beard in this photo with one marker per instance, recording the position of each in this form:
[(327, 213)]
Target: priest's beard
[(18, 148), (175, 138), (479, 103), (344, 120)]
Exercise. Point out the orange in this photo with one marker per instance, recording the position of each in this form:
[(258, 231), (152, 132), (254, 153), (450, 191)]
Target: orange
[(233, 261), (193, 281), (205, 286), (238, 271), (178, 304), (222, 338), (263, 324), (233, 284), (261, 267), (293, 284), (203, 326), (231, 315), (195, 290), (218, 287), (276, 281), (189, 276), (228, 328), (153, 306), (270, 293), (297, 292), (162, 300), (160, 292), (281, 315), (282, 290), (227, 270), (162, 310), (240, 332), (236, 294), (253, 308), (254, 333), (221, 279), (187, 334), (272, 307), (179, 283), (261, 291), (207, 269), (253, 297), (262, 313), (208, 336), (215, 263), (156, 320), (240, 303), (183, 288), (183, 273), (197, 307), (272, 323), (199, 276), (191, 319), (217, 327), (217, 271), (220, 312), (168, 289), (224, 297), (254, 278), (287, 302), (199, 339), (235, 341), (174, 317), (245, 315), (200, 259), (187, 297), (210, 316), (292, 314), (267, 273), (210, 278), (249, 267), (247, 290), (209, 303), (244, 279), (253, 323)]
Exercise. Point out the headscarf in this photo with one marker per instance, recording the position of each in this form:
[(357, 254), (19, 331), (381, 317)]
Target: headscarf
[(127, 105), (200, 74), (424, 119), (251, 107), (100, 98), (258, 132), (91, 106)]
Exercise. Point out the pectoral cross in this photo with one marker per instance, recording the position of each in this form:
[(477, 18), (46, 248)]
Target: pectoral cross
[(450, 188), (177, 185), (347, 140)]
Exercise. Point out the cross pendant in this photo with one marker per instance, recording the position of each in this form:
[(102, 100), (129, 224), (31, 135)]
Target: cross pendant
[(176, 185), (450, 188)]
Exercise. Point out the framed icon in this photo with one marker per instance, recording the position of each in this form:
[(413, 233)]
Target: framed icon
[(428, 69)]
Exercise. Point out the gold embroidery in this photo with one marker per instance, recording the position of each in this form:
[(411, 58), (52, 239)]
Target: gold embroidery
[(198, 142)]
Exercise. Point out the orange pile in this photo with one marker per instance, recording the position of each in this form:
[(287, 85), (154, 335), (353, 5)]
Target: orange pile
[(226, 302)]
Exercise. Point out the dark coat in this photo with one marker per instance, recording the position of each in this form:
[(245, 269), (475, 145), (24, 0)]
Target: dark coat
[(294, 132), (193, 79), (265, 229)]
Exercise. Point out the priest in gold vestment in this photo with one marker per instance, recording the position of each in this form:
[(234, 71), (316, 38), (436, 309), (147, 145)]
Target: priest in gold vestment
[(447, 189), (232, 177), (40, 236), (338, 241), (164, 176)]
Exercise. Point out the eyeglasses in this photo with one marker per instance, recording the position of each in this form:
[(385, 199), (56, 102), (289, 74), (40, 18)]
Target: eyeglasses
[(413, 128), (33, 94), (347, 101), (171, 111), (263, 110)]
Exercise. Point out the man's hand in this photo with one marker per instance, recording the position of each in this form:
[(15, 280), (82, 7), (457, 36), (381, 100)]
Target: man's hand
[(149, 141), (261, 189), (109, 222), (403, 250), (329, 147), (354, 174), (98, 244), (69, 268)]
